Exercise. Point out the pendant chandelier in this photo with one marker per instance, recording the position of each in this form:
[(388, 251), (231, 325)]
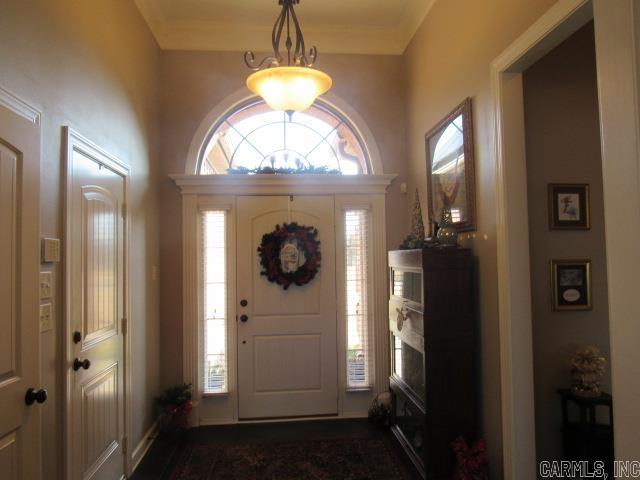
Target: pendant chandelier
[(294, 87)]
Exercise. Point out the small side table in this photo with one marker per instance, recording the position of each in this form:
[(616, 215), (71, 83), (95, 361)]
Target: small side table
[(585, 438)]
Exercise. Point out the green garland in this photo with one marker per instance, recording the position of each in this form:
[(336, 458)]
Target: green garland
[(311, 170)]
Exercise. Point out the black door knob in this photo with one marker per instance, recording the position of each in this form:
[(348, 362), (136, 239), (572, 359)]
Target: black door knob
[(34, 395), (244, 318), (78, 364)]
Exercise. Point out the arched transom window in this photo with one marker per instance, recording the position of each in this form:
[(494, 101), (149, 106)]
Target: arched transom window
[(254, 138)]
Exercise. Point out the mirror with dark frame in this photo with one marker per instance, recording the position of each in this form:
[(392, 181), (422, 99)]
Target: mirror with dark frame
[(450, 168)]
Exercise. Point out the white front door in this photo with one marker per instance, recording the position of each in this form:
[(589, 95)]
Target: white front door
[(95, 279), (287, 357), (19, 262)]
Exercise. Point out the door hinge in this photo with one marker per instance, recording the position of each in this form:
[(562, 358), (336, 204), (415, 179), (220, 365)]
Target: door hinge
[(124, 326), (124, 210), (124, 445)]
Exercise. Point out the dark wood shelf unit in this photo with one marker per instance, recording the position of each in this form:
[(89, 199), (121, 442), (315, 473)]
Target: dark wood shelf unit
[(433, 354)]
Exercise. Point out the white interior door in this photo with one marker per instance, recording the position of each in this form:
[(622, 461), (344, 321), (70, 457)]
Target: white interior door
[(19, 263), (287, 345), (95, 280)]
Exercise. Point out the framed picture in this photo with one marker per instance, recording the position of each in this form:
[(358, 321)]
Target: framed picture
[(569, 206), (450, 168), (571, 284)]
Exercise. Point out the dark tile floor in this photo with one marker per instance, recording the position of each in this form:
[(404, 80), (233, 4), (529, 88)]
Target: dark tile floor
[(161, 458)]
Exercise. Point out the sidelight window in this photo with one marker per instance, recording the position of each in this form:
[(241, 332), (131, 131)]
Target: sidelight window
[(214, 293), (357, 251)]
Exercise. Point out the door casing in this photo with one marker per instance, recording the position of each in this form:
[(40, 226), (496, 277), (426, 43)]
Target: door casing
[(75, 141), (219, 192)]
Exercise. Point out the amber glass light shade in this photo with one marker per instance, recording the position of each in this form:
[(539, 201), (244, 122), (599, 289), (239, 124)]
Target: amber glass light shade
[(289, 89)]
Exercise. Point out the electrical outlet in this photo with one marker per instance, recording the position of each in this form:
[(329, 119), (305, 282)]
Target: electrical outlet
[(46, 317), (46, 285)]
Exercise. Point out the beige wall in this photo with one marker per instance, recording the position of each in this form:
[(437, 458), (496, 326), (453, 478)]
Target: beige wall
[(93, 66), (448, 60), (563, 146), (193, 83)]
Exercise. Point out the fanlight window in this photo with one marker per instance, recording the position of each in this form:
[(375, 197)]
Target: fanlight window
[(255, 137)]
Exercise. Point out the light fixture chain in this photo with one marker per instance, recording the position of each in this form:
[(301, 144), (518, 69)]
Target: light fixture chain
[(288, 42), (300, 56), (277, 34)]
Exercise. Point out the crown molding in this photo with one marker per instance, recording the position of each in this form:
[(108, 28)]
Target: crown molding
[(212, 35)]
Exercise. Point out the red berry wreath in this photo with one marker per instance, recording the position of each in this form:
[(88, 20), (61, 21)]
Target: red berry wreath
[(299, 248)]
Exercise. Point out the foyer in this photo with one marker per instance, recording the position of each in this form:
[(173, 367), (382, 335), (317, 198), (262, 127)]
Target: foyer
[(189, 266)]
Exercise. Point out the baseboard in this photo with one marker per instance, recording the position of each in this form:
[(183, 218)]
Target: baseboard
[(143, 447)]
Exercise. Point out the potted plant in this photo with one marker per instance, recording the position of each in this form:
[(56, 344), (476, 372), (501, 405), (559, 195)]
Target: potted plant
[(380, 410), (175, 405)]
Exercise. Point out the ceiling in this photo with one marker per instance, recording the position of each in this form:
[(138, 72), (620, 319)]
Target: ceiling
[(334, 26)]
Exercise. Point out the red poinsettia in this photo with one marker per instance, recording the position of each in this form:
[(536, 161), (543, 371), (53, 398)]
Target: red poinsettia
[(471, 460)]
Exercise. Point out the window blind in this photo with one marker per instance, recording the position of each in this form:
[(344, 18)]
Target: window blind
[(214, 275), (356, 224)]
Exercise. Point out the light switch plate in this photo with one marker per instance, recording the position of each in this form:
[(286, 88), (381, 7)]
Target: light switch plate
[(50, 250), (46, 285), (46, 317)]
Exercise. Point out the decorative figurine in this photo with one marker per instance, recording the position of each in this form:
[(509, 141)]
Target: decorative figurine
[(447, 233), (415, 239), (587, 370)]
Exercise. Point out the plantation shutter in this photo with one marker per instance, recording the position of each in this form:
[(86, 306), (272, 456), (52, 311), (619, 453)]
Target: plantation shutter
[(214, 284), (357, 252)]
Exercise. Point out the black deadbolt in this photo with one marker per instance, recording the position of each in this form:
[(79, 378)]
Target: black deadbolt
[(34, 395), (77, 336), (244, 303), (78, 364)]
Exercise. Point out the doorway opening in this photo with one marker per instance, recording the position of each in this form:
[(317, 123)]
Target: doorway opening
[(570, 308), (616, 52)]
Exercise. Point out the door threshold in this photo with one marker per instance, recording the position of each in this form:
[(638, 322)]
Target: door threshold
[(290, 418)]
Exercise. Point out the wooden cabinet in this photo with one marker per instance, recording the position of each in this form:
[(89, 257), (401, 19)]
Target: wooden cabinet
[(433, 354)]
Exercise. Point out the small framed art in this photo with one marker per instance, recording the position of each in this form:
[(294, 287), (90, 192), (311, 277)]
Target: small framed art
[(571, 284), (569, 206)]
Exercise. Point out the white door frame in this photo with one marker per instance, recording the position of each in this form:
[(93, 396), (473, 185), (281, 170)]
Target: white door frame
[(620, 139), (73, 141), (219, 192), (617, 28)]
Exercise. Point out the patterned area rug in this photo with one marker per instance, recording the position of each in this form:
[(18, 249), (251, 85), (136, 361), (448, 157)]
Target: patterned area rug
[(348, 459)]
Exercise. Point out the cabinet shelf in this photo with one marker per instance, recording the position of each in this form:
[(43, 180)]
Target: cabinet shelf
[(433, 357)]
